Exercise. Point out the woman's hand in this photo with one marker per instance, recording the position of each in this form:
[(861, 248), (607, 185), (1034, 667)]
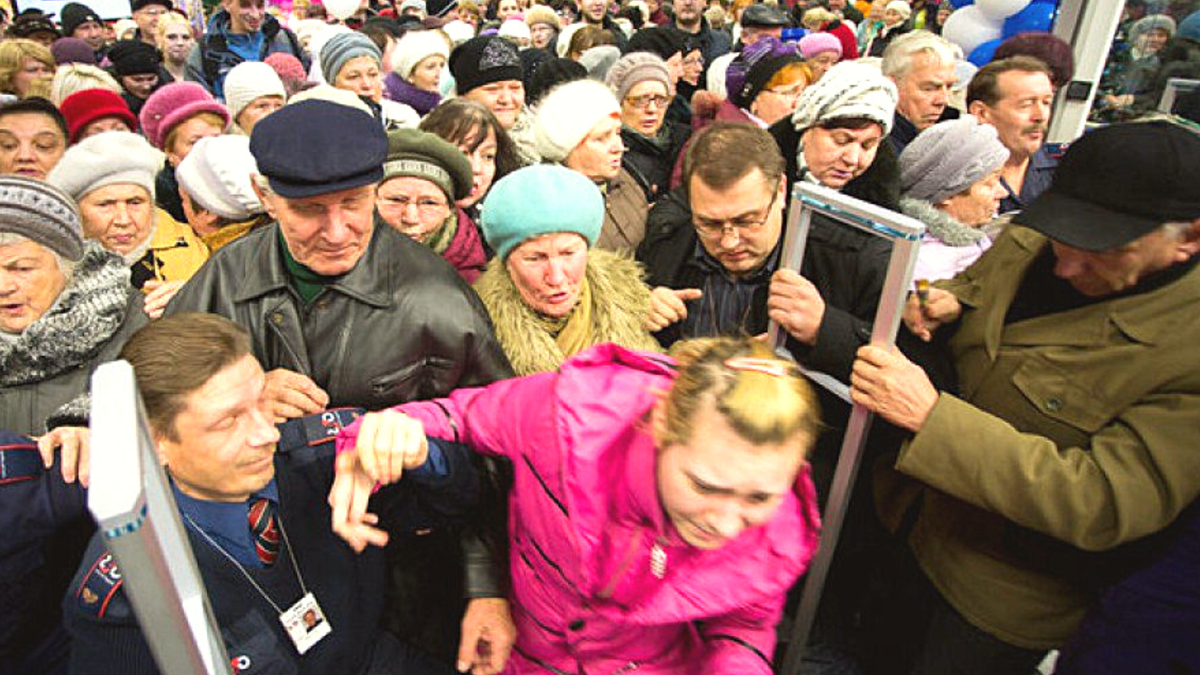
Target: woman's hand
[(390, 443), (893, 387), (348, 498)]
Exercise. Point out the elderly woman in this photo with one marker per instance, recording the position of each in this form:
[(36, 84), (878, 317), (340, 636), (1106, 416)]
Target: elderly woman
[(67, 307), (544, 26), (33, 137), (764, 84), (26, 68), (578, 125), (352, 62), (821, 51), (215, 186), (895, 24), (836, 134), (252, 90), (95, 111), (416, 77), (644, 86), (111, 177), (173, 119), (423, 177), (548, 294), (660, 510), (950, 177)]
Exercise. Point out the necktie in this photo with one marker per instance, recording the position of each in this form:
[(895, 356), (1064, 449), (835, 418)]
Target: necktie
[(265, 529)]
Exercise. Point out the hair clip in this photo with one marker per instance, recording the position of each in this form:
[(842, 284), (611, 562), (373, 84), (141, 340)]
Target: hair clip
[(759, 365)]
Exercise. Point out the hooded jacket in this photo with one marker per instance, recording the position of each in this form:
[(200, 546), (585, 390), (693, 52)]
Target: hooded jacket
[(587, 596)]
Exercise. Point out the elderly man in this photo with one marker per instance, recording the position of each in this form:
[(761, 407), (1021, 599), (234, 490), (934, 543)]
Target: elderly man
[(1015, 95), (344, 313), (253, 499), (922, 66), (1074, 340)]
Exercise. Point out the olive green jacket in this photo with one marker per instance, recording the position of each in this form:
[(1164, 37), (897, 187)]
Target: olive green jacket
[(1076, 434)]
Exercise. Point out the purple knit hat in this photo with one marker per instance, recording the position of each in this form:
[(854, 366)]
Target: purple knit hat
[(749, 73), (174, 104), (72, 50)]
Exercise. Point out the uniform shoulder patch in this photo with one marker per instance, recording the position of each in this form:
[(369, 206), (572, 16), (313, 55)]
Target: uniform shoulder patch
[(99, 585), (1057, 150), (19, 459)]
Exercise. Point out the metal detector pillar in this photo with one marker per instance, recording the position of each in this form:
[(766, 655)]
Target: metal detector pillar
[(905, 234), (133, 505)]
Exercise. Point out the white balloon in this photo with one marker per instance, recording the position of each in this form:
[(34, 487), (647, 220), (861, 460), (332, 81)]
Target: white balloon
[(999, 10), (342, 9), (968, 28)]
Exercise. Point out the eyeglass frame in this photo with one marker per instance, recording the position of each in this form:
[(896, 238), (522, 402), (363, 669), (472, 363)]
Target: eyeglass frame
[(648, 99), (708, 231)]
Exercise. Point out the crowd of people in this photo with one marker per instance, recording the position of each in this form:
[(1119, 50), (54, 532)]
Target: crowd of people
[(447, 319)]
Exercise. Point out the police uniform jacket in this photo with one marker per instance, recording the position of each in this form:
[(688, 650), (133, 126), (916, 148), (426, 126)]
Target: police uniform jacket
[(349, 587), (1074, 436)]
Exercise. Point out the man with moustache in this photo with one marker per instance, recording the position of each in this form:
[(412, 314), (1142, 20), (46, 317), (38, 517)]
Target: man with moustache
[(1015, 96)]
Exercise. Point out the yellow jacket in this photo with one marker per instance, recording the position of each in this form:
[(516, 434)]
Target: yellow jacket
[(176, 252)]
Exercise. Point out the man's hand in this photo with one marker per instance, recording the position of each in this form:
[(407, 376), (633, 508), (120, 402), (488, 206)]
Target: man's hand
[(488, 635), (794, 303), (893, 387), (158, 294), (76, 445), (289, 394), (390, 443), (348, 497), (667, 306), (940, 308)]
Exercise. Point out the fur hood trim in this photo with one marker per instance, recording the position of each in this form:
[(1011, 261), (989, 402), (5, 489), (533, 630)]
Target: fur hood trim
[(939, 224), (87, 314), (621, 304)]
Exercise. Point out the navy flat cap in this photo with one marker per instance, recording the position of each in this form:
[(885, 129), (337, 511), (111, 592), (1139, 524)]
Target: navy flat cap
[(317, 147)]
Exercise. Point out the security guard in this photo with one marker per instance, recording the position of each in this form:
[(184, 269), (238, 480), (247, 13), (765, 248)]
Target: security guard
[(288, 594)]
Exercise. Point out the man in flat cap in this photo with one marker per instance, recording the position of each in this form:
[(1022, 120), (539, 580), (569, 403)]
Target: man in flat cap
[(1070, 449), (344, 313)]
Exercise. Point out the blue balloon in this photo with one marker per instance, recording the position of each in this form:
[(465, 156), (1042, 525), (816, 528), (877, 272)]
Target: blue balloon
[(1037, 16), (959, 4), (982, 55)]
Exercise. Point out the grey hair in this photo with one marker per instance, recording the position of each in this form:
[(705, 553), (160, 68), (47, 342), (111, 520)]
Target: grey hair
[(898, 57), (67, 267)]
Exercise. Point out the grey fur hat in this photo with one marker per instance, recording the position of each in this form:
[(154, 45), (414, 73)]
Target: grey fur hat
[(41, 213), (950, 157)]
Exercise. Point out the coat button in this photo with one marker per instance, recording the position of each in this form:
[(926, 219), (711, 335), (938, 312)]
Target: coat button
[(1054, 404), (577, 624), (277, 318)]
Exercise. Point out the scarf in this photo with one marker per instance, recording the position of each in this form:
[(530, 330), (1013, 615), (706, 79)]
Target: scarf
[(576, 333), (440, 240), (420, 100)]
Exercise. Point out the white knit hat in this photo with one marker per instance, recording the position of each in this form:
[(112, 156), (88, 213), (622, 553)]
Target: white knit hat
[(106, 159), (216, 175), (415, 47), (514, 28), (848, 90), (568, 114), (459, 31), (248, 81), (900, 7)]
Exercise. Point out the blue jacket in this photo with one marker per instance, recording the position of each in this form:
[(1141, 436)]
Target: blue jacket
[(219, 50)]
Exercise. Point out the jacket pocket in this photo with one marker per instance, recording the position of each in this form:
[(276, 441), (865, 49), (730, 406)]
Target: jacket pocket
[(421, 379), (1058, 396), (257, 648)]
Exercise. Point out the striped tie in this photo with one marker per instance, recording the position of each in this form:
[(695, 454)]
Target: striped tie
[(265, 529)]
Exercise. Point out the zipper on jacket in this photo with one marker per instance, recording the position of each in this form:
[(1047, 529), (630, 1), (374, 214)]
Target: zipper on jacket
[(631, 550)]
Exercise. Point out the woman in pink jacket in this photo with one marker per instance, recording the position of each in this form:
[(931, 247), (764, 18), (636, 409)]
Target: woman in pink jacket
[(661, 508)]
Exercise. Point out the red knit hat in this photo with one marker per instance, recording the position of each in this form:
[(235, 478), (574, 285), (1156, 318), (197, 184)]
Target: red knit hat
[(84, 107), (174, 104)]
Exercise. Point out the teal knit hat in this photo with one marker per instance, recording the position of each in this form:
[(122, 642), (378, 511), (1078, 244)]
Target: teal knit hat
[(537, 200)]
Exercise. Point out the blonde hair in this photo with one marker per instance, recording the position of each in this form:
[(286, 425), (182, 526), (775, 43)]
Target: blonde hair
[(210, 117), (165, 23), (764, 398), (76, 77), (789, 75), (817, 17), (13, 53)]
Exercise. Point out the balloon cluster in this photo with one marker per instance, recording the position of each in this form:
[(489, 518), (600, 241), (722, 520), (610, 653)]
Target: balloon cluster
[(979, 26)]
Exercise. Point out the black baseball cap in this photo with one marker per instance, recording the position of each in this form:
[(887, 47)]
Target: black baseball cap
[(1119, 183)]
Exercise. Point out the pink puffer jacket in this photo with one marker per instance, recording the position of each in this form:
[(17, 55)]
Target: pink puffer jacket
[(585, 519)]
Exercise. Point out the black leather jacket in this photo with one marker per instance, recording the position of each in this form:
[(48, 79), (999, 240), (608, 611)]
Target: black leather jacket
[(400, 326)]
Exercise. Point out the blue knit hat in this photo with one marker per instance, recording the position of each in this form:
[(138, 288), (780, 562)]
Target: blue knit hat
[(537, 200)]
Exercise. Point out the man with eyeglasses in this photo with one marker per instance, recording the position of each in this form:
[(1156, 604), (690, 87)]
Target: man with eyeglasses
[(342, 312), (146, 14)]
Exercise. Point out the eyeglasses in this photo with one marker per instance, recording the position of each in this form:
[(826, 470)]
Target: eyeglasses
[(427, 207), (716, 229), (791, 92), (696, 60), (642, 102)]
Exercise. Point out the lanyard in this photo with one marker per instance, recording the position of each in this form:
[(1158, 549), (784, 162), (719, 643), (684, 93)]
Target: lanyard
[(240, 568)]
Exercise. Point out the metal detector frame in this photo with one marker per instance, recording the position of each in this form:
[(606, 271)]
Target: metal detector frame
[(132, 503), (905, 234)]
